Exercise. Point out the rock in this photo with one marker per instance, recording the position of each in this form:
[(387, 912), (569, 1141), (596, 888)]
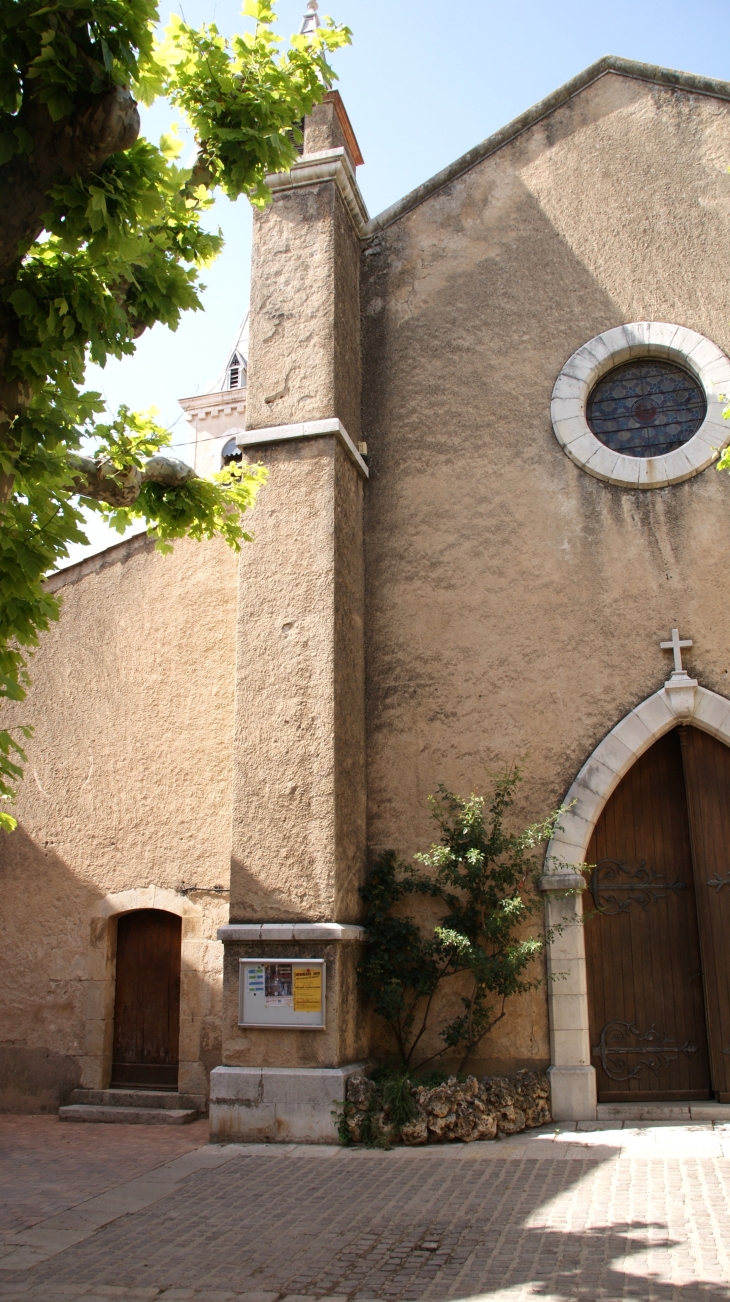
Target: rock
[(382, 1129), (354, 1126), (457, 1110), (360, 1090), (532, 1096), (440, 1126), (439, 1101), (499, 1091), (537, 1116), (510, 1121), (415, 1132), (522, 1100), (470, 1087)]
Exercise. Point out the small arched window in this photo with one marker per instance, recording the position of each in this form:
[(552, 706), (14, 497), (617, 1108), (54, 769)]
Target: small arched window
[(231, 452)]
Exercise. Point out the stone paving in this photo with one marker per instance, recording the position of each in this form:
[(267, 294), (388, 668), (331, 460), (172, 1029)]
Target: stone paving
[(46, 1168), (640, 1212)]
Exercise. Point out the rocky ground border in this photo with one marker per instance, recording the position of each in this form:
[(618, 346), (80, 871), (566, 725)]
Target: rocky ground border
[(457, 1110)]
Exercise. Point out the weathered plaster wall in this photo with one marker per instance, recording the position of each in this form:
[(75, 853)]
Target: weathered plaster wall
[(299, 785), (128, 786), (304, 361), (514, 603)]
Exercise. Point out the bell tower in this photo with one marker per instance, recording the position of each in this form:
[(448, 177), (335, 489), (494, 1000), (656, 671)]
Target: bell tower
[(217, 417), (299, 832)]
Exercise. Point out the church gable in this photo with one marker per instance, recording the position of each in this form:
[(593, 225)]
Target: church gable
[(542, 112)]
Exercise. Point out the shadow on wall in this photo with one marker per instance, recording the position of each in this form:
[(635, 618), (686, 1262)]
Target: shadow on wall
[(35, 1080), (43, 959), (57, 957)]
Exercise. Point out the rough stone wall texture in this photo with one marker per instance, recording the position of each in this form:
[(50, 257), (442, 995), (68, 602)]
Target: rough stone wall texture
[(322, 129), (304, 361), (514, 603), (349, 688), (128, 784), (299, 794)]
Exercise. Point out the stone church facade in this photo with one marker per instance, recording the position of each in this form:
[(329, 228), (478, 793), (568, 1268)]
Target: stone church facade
[(490, 417)]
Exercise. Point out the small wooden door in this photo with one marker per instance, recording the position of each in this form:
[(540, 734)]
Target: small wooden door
[(147, 1001), (707, 773), (646, 1001)]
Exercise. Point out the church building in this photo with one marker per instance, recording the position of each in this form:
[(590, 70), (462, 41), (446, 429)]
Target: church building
[(493, 533)]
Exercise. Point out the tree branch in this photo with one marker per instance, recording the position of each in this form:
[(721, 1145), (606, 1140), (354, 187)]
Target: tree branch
[(107, 124), (105, 482)]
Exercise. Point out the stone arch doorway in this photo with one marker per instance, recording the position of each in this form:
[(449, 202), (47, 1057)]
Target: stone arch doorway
[(658, 964), (146, 1038)]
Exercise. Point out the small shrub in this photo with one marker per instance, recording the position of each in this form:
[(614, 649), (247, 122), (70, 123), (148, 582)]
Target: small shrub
[(479, 874)]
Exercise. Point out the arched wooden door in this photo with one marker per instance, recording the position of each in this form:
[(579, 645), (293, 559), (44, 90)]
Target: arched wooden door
[(147, 1001), (656, 948)]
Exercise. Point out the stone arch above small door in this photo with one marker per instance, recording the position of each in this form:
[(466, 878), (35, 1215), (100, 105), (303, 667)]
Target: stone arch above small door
[(572, 1073), (200, 966)]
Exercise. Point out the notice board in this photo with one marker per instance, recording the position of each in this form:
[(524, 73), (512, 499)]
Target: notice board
[(284, 993)]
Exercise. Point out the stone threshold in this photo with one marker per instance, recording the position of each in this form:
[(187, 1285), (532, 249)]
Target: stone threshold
[(683, 1112)]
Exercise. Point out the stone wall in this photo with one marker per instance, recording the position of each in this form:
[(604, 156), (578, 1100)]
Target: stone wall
[(458, 1110), (126, 798)]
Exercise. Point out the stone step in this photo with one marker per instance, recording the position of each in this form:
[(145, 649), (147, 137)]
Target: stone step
[(120, 1098), (683, 1113), (116, 1115)]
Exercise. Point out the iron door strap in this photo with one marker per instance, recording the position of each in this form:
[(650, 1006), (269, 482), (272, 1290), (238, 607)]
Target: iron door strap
[(612, 895), (654, 1052)]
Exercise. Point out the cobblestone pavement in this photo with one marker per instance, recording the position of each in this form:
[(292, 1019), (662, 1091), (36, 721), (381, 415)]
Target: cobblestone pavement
[(46, 1168), (639, 1213)]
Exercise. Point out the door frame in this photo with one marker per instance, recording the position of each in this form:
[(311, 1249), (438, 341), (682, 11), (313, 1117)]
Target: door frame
[(201, 965), (572, 1076)]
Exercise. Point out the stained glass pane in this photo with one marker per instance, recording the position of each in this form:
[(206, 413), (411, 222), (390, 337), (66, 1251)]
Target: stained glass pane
[(646, 408)]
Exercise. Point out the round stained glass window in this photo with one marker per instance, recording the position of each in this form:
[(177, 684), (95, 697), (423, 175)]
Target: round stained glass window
[(646, 408)]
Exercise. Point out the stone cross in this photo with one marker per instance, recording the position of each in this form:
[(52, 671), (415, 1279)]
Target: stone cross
[(676, 646)]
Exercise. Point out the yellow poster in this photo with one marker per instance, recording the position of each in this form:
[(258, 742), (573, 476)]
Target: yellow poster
[(307, 989)]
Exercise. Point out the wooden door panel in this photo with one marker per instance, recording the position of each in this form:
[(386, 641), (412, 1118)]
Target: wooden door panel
[(646, 1007), (147, 1000), (707, 776)]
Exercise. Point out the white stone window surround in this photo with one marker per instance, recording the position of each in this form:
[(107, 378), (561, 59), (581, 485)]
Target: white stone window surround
[(573, 1078), (601, 354)]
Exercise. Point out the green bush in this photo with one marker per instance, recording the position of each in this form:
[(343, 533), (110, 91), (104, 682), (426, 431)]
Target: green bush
[(480, 876)]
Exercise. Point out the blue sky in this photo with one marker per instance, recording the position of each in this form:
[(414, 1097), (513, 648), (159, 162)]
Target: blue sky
[(422, 83)]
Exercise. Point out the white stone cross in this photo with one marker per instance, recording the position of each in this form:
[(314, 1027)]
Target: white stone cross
[(676, 646)]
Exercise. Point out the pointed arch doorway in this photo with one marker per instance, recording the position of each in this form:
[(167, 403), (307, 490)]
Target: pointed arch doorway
[(657, 952)]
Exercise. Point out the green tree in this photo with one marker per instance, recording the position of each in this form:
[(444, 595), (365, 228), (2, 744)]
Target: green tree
[(480, 875), (103, 236)]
